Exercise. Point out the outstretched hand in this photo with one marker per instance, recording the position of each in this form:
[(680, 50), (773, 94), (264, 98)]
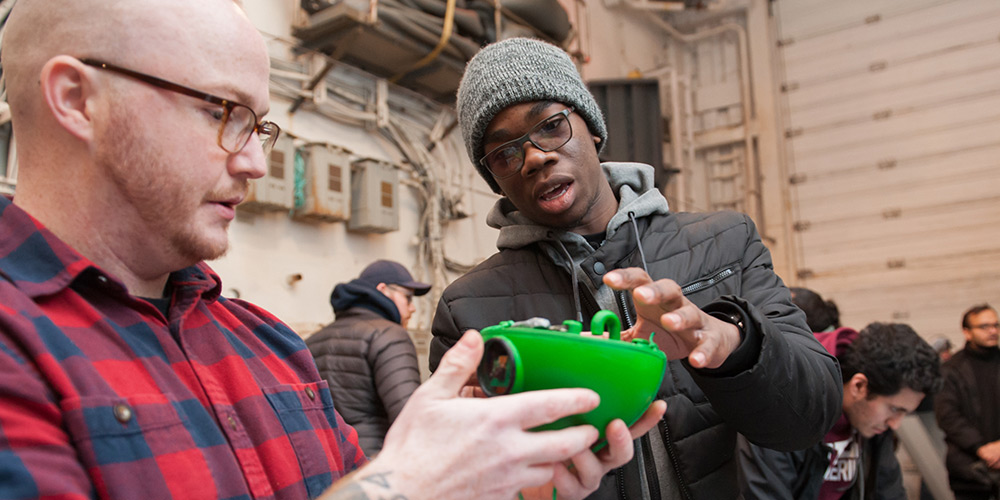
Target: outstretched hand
[(682, 329)]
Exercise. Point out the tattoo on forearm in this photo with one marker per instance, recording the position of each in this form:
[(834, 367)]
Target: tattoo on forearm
[(355, 491), (380, 479)]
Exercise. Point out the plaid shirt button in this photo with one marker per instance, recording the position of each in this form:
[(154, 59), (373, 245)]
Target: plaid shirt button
[(232, 423), (310, 393), (123, 413)]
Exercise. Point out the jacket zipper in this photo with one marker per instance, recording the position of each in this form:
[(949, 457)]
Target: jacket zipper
[(626, 324), (700, 285), (652, 480), (620, 481), (626, 315), (669, 445)]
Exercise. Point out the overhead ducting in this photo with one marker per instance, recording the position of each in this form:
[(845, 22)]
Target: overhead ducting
[(424, 44)]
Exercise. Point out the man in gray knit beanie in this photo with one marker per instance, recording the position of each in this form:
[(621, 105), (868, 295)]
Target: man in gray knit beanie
[(514, 71), (577, 236)]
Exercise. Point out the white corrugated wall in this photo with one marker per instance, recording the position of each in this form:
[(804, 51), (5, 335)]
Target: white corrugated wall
[(891, 111)]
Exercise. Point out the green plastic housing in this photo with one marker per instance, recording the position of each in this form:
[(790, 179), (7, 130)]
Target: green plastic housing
[(626, 375)]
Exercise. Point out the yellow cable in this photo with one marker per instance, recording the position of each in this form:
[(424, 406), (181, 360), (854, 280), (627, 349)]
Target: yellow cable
[(449, 18)]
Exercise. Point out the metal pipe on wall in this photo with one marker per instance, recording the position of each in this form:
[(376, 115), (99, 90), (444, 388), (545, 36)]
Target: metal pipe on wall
[(657, 6), (751, 170), (676, 143), (688, 94)]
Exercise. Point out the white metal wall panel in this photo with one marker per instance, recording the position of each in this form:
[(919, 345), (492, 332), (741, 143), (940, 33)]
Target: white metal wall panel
[(714, 65), (712, 119), (802, 19), (892, 114)]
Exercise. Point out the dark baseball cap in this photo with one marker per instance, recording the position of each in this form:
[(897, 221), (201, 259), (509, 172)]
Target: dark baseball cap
[(392, 273)]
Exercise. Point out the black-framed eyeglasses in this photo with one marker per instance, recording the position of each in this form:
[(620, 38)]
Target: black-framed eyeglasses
[(237, 122), (549, 134), (986, 326)]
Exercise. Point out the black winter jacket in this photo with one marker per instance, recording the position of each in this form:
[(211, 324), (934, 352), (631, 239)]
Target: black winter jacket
[(780, 388), (960, 414), (369, 361)]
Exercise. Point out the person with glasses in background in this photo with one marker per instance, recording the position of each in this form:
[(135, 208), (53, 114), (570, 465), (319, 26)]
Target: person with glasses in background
[(968, 408), (577, 236), (138, 127), (366, 354)]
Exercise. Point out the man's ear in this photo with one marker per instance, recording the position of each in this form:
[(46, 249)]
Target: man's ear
[(597, 140), (66, 87), (858, 386)]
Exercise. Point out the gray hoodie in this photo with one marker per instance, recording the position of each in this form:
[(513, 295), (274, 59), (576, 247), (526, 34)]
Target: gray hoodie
[(633, 186)]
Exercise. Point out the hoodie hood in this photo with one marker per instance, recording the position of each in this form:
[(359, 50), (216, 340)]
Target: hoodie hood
[(357, 294), (836, 341), (632, 184)]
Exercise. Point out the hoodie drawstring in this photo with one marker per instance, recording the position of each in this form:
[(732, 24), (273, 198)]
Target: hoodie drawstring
[(638, 241), (623, 297), (572, 272), (576, 284)]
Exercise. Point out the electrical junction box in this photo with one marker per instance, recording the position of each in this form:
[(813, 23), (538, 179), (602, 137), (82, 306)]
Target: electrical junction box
[(326, 190), (274, 191), (374, 197)]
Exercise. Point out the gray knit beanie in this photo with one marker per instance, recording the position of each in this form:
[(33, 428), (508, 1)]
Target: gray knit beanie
[(519, 70)]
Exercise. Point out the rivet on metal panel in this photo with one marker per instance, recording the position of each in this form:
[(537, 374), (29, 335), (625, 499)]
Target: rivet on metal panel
[(789, 87), (887, 164), (892, 213), (795, 179), (882, 115)]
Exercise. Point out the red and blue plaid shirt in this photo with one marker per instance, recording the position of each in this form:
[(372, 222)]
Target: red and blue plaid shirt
[(103, 396)]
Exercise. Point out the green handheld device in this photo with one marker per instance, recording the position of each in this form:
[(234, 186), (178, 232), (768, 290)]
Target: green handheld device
[(533, 355)]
